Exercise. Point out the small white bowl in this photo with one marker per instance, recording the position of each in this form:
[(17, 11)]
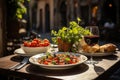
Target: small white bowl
[(35, 50)]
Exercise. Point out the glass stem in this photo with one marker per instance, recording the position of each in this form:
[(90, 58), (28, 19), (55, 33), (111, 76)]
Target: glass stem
[(91, 59)]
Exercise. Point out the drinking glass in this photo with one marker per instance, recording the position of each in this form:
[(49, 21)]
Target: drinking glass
[(92, 39)]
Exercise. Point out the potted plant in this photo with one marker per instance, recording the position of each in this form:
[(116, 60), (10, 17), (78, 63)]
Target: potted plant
[(67, 36)]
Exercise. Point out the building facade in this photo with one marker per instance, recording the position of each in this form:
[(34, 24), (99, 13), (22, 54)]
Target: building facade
[(53, 14), (45, 15)]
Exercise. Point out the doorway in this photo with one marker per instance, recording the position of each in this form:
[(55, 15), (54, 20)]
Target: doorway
[(63, 9), (109, 10), (41, 21), (84, 13), (47, 18)]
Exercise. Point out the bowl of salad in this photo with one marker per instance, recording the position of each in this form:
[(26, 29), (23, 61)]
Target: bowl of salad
[(35, 46), (57, 61)]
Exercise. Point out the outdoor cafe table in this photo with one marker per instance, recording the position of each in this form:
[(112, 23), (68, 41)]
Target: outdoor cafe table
[(101, 71)]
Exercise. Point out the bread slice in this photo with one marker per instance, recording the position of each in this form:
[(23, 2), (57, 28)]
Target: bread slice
[(95, 48), (108, 47)]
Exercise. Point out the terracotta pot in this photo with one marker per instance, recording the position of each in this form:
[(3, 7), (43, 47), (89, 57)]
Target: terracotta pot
[(64, 46)]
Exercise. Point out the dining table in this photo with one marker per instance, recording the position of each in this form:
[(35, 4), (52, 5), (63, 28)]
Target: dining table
[(105, 67)]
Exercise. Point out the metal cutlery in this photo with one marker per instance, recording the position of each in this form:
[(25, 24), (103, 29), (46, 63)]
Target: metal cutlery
[(20, 65)]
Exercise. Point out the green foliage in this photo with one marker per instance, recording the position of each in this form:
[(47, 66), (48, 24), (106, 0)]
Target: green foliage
[(20, 8), (71, 34), (20, 12)]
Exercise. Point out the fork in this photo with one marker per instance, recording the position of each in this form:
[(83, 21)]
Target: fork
[(20, 65)]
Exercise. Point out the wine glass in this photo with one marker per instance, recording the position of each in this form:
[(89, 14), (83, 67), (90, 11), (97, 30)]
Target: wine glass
[(92, 39)]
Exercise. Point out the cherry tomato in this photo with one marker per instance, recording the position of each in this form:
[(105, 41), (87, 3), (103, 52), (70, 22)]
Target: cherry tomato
[(70, 62), (45, 40), (25, 43), (37, 40), (46, 43), (46, 62), (37, 43), (33, 43), (41, 44)]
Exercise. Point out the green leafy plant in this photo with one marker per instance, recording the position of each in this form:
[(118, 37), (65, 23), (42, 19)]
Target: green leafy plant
[(70, 34)]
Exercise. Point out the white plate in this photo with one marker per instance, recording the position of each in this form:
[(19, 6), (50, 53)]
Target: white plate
[(34, 61), (97, 54), (21, 52)]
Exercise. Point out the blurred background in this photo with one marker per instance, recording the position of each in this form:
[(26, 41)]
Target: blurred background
[(19, 19)]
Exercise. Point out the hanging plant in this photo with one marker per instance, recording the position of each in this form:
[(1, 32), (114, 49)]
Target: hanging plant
[(17, 8)]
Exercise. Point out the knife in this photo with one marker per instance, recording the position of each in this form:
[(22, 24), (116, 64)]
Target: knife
[(21, 64)]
